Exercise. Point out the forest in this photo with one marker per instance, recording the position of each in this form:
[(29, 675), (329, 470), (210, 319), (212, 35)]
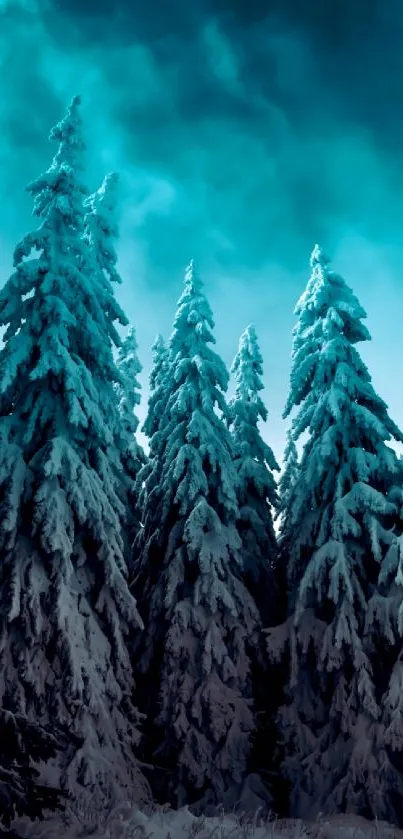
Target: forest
[(190, 625)]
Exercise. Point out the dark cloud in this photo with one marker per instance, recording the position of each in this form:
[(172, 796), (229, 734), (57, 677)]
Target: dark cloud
[(272, 122), (356, 47), (244, 131)]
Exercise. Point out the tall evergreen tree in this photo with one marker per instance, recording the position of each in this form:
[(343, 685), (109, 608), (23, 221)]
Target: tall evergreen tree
[(194, 668), (254, 463), (340, 523), (129, 392), (100, 232), (147, 476), (385, 614), (158, 382), (147, 483), (133, 457), (22, 744), (288, 477), (65, 607), (286, 485)]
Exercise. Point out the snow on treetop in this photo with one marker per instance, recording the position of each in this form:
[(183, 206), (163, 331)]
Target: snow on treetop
[(193, 309), (101, 216), (248, 364), (318, 257), (68, 132), (329, 324)]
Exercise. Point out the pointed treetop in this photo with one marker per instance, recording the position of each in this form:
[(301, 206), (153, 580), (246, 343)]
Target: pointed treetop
[(101, 220), (157, 380), (160, 357), (247, 368), (106, 194), (108, 188), (128, 349), (159, 345), (69, 133), (192, 277), (129, 367), (101, 231), (250, 331), (318, 257), (247, 407), (329, 320), (249, 340), (127, 355), (248, 343), (290, 451), (288, 477), (194, 318)]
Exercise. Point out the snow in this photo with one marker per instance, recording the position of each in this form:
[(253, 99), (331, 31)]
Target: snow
[(288, 478), (163, 823), (80, 504), (254, 463), (337, 534), (65, 607), (132, 454), (195, 659)]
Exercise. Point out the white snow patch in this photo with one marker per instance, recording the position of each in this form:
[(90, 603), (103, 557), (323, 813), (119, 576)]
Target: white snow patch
[(127, 823)]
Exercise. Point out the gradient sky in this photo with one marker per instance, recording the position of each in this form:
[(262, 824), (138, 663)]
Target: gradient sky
[(244, 131)]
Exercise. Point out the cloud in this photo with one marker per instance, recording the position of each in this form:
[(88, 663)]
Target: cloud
[(250, 119), (242, 138)]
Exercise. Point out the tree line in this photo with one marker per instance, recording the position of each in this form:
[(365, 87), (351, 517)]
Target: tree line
[(161, 636)]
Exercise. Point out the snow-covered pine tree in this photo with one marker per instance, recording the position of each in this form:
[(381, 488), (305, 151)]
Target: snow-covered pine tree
[(65, 607), (385, 613), (286, 486), (288, 479), (129, 367), (22, 745), (194, 672), (132, 454), (158, 380), (100, 232), (254, 463), (147, 484), (340, 529)]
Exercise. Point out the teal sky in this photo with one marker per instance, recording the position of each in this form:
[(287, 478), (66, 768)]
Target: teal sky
[(242, 137)]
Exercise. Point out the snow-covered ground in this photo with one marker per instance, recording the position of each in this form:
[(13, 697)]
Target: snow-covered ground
[(125, 823)]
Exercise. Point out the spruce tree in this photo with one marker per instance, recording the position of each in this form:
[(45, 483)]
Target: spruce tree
[(100, 232), (193, 665), (158, 381), (254, 463), (384, 626), (340, 528), (129, 368), (65, 607), (286, 486), (147, 477), (22, 745), (132, 454), (288, 478)]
